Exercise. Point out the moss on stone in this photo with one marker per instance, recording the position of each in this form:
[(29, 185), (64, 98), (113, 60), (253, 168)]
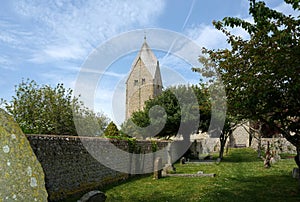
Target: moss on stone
[(21, 175)]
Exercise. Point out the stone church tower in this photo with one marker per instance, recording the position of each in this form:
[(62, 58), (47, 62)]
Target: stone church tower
[(144, 81)]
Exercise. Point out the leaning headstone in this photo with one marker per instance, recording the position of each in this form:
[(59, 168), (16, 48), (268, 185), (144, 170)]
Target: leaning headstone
[(295, 173), (157, 168), (21, 174), (93, 196), (168, 167)]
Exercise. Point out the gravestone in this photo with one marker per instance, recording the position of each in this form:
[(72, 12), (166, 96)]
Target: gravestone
[(21, 174), (295, 173), (169, 166), (272, 160), (182, 160), (157, 168)]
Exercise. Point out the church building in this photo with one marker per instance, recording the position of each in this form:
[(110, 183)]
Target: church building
[(144, 81)]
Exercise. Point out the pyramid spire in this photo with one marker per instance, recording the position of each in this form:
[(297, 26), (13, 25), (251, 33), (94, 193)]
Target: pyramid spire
[(148, 58)]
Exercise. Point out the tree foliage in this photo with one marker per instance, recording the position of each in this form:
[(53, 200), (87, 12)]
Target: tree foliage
[(171, 113), (111, 130), (224, 122), (261, 74), (49, 110)]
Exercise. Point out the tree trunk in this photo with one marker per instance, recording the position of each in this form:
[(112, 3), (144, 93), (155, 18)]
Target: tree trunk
[(221, 153), (223, 139)]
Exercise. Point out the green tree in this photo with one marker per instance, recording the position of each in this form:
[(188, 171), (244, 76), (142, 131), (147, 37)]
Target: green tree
[(223, 124), (171, 113), (47, 110), (261, 74), (111, 130), (89, 123)]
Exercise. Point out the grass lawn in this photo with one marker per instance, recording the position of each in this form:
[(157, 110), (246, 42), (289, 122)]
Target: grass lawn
[(240, 177)]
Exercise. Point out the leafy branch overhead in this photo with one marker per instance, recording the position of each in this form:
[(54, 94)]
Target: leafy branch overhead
[(261, 74)]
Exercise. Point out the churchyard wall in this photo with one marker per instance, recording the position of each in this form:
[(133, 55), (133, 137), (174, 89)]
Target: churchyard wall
[(280, 145), (71, 170)]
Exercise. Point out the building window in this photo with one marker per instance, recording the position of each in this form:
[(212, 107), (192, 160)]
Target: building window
[(136, 82), (143, 81)]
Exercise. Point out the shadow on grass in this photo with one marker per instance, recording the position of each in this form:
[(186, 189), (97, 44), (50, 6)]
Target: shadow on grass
[(266, 188), (132, 179)]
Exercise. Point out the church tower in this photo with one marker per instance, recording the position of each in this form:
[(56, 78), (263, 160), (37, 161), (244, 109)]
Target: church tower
[(144, 81)]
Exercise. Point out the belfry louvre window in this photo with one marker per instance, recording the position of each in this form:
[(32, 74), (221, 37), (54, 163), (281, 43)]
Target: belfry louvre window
[(136, 82)]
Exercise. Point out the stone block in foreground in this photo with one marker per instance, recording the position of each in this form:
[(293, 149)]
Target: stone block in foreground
[(21, 175)]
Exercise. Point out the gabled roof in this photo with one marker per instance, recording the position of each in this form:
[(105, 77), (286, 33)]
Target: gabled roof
[(148, 58)]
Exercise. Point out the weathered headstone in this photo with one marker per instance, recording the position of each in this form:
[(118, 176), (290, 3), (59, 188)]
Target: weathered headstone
[(169, 166), (295, 173), (157, 168), (21, 175), (272, 160)]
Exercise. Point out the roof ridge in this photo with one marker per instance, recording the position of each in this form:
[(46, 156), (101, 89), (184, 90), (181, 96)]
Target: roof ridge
[(148, 58)]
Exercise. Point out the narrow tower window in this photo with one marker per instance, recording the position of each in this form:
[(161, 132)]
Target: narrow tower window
[(143, 81), (135, 82)]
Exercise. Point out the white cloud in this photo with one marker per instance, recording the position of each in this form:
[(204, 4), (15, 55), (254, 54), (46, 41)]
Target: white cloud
[(61, 24), (286, 9), (207, 36), (6, 37), (171, 61), (59, 52), (5, 63), (211, 38), (14, 35), (106, 73)]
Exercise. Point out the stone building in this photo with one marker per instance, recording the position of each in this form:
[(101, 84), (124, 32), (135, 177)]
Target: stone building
[(144, 81)]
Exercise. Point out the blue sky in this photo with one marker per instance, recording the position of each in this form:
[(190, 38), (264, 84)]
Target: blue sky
[(49, 41)]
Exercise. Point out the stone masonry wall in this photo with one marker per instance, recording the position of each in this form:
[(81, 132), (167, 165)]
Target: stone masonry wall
[(70, 169), (281, 145), (138, 93)]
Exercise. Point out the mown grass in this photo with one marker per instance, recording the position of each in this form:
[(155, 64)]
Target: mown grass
[(240, 177)]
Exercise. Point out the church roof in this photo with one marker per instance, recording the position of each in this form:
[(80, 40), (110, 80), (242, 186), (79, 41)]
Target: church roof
[(148, 58)]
